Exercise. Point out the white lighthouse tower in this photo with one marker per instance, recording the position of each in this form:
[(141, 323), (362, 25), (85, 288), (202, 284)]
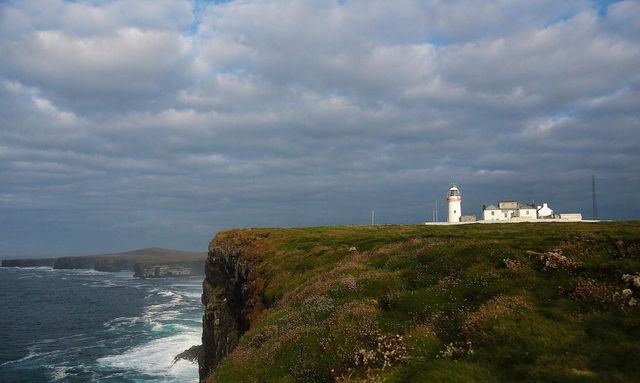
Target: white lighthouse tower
[(455, 207)]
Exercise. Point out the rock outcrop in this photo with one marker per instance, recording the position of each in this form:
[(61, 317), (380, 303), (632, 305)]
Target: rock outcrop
[(160, 270)]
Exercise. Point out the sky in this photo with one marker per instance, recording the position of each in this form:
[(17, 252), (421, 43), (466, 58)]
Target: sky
[(131, 124)]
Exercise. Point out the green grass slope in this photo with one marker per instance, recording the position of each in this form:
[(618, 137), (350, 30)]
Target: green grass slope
[(552, 302)]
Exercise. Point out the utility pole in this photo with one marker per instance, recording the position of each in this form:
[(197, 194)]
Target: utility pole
[(593, 195), (436, 210)]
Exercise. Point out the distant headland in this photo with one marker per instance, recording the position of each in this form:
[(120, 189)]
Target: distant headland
[(145, 263)]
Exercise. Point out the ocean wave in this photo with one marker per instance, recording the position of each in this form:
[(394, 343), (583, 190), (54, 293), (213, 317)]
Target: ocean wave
[(27, 357), (197, 283), (102, 284), (156, 358), (122, 322), (32, 355), (30, 276), (52, 340), (169, 328)]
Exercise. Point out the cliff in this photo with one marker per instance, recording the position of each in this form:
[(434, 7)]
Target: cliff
[(42, 262), (145, 263), (473, 303), (229, 297), (114, 264), (87, 262)]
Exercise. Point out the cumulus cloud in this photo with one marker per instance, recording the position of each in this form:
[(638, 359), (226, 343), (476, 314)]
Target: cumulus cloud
[(130, 124)]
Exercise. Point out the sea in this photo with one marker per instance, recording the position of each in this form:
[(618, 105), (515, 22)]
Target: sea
[(90, 326)]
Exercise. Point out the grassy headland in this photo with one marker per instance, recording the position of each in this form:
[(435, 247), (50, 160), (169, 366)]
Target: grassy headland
[(472, 303)]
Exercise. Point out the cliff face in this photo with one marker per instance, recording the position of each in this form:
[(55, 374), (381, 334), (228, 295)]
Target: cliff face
[(44, 262), (230, 297), (472, 303), (75, 263), (113, 265)]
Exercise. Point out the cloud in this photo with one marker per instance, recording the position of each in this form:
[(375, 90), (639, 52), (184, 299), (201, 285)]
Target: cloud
[(126, 68), (161, 122)]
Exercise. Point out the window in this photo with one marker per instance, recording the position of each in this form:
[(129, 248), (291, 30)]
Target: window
[(493, 213), (527, 212), (454, 212), (505, 215)]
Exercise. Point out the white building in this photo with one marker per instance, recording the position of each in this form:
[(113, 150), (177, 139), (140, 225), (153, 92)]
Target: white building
[(509, 210), (522, 212), (525, 211), (454, 199), (570, 216), (545, 211)]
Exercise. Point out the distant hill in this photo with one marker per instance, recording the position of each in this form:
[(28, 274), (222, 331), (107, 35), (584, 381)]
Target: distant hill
[(145, 263)]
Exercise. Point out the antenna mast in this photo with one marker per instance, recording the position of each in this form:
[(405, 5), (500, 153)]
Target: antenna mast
[(593, 195)]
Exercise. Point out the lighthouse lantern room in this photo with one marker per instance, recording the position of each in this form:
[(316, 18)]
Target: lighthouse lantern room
[(454, 200)]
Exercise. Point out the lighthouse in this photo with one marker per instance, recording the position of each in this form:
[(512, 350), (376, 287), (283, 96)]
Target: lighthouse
[(454, 199)]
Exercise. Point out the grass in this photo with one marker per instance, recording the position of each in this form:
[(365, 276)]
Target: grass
[(471, 303)]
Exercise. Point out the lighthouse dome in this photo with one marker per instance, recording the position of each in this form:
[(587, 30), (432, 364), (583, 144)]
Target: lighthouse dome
[(454, 192)]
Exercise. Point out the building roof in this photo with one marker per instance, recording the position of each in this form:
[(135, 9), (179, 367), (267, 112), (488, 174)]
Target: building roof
[(520, 206)]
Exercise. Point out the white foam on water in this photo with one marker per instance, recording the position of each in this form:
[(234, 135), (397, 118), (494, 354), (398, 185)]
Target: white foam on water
[(58, 373), (31, 276), (164, 313), (167, 293), (120, 322), (161, 314), (156, 358), (32, 355), (101, 283), (168, 328), (27, 357), (51, 340)]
